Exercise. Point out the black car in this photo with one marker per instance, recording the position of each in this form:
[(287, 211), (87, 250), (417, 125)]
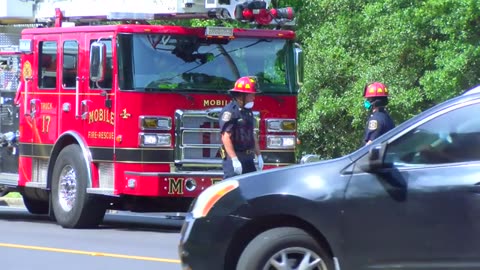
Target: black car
[(410, 200)]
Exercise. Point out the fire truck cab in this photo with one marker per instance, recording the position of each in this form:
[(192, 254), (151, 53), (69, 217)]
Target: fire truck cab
[(125, 116)]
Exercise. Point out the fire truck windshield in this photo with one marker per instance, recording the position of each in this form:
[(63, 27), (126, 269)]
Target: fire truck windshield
[(158, 62)]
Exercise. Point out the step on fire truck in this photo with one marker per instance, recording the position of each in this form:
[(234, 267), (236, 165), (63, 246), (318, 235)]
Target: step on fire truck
[(125, 115)]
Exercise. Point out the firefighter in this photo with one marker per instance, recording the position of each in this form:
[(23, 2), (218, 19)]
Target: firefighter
[(376, 98), (239, 143)]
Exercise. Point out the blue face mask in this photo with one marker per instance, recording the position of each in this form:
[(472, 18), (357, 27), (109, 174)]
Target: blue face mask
[(367, 104)]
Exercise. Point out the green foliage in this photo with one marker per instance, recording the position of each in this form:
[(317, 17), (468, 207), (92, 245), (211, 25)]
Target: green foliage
[(425, 51)]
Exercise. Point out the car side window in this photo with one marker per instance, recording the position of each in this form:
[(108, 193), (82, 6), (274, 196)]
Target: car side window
[(449, 138)]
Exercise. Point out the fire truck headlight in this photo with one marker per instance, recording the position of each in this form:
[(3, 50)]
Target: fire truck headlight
[(155, 123), (155, 140), (281, 142), (281, 125)]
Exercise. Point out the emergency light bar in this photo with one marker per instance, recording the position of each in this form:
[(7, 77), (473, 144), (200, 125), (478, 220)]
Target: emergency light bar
[(257, 11)]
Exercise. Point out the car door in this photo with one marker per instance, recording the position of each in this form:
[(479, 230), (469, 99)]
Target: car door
[(423, 212)]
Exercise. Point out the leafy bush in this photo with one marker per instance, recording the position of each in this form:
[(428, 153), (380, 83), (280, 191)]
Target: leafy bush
[(424, 51)]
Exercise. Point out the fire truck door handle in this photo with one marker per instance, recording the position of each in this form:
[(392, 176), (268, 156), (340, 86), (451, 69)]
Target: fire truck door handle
[(33, 108), (84, 109), (77, 96), (25, 98)]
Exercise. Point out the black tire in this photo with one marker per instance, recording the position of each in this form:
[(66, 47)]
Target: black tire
[(294, 242), (72, 206), (36, 207)]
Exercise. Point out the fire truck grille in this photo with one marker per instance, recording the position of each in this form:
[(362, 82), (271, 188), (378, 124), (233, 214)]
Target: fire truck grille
[(198, 137), (197, 141)]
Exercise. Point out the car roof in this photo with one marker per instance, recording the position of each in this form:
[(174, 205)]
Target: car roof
[(474, 90)]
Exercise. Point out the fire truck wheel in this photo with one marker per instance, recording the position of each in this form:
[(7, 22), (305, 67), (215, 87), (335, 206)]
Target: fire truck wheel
[(33, 206), (72, 205)]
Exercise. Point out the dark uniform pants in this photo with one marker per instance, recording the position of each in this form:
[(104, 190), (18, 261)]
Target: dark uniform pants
[(248, 165)]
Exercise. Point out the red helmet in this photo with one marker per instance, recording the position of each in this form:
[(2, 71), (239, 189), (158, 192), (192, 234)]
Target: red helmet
[(375, 89), (246, 85)]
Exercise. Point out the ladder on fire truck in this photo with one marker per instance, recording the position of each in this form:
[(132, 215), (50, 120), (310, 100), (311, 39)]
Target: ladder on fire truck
[(69, 12)]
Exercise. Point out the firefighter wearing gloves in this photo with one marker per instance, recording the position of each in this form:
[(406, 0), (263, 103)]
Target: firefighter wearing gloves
[(239, 144), (376, 98)]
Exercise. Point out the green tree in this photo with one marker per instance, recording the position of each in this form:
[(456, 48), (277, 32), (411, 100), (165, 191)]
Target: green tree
[(425, 51)]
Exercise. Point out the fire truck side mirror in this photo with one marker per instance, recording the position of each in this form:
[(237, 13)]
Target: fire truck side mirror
[(98, 63), (299, 63)]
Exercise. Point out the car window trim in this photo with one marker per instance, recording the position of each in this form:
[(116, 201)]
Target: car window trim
[(431, 117)]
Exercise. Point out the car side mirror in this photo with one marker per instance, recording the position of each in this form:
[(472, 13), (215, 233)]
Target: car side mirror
[(373, 160), (309, 158)]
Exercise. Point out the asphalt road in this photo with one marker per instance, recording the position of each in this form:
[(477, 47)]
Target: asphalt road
[(123, 241)]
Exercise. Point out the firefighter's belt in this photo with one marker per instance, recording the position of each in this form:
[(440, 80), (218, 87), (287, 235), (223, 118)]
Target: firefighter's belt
[(245, 152)]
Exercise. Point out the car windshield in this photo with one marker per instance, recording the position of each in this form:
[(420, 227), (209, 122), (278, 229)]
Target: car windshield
[(156, 62)]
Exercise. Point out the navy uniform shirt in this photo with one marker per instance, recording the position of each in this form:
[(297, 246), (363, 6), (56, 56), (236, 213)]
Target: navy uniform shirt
[(378, 123), (240, 122)]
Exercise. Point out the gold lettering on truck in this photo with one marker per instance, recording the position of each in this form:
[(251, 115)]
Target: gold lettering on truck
[(214, 102), (102, 135), (46, 106), (175, 186), (46, 120), (216, 180), (101, 115)]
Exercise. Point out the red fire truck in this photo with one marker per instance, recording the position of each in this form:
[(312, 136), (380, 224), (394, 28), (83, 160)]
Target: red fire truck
[(125, 116)]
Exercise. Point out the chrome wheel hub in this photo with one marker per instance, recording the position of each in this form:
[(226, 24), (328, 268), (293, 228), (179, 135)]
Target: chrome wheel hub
[(67, 188), (295, 258)]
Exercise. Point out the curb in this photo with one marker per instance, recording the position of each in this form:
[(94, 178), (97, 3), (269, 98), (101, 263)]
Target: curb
[(15, 202)]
